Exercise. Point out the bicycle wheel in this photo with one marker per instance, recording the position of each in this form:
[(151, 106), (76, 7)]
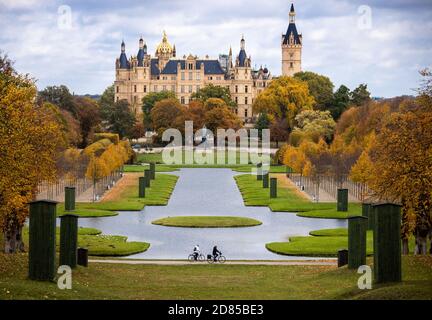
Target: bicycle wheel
[(191, 258), (210, 259), (201, 257), (221, 259)]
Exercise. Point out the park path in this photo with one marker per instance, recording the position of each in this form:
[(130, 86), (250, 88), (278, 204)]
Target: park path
[(331, 263)]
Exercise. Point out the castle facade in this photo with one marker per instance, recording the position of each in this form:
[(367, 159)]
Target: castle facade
[(144, 73)]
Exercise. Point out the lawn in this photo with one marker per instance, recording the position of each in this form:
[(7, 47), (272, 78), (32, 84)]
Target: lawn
[(124, 197), (99, 244), (322, 243), (203, 281), (207, 222), (289, 199)]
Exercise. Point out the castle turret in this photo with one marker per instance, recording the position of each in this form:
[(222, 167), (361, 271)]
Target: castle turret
[(141, 53), (124, 63), (242, 59), (164, 51), (291, 46)]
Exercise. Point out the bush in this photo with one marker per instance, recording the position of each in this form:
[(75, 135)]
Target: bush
[(113, 137), (97, 148)]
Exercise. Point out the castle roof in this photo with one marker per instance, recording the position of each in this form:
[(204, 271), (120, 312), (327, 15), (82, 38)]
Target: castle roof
[(124, 63), (291, 29), (210, 66)]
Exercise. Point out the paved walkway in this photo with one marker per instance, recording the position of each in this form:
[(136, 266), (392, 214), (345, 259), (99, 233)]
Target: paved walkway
[(332, 263)]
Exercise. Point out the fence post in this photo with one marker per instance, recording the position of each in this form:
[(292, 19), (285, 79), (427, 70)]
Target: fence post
[(82, 259), (342, 257), (356, 241), (141, 187), (42, 240), (69, 198), (387, 243), (147, 175), (68, 240), (273, 187), (265, 180), (342, 199)]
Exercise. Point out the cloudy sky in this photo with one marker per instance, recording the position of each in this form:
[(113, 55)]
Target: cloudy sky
[(379, 42)]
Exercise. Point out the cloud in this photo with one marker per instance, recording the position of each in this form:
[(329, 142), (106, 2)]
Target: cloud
[(387, 56)]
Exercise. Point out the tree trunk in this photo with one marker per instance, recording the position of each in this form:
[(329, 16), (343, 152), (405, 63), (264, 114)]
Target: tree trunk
[(405, 248), (13, 241), (421, 243)]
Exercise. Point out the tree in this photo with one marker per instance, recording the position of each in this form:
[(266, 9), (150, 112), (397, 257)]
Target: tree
[(106, 102), (263, 122), (283, 99), (403, 167), (29, 144), (196, 112), (313, 125), (119, 118), (61, 97), (320, 87), (149, 101), (360, 95), (222, 118), (88, 116), (166, 114), (341, 101), (279, 131), (212, 91)]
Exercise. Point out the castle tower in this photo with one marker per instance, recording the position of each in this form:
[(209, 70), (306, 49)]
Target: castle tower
[(164, 51), (291, 45)]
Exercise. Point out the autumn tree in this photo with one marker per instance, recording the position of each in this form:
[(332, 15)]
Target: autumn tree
[(222, 117), (59, 96), (313, 125), (284, 98), (360, 95), (149, 101), (29, 144), (89, 118)]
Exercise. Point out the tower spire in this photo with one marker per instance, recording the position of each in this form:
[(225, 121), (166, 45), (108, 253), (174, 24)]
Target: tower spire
[(292, 14)]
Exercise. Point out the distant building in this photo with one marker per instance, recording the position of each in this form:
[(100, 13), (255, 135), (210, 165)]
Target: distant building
[(143, 73)]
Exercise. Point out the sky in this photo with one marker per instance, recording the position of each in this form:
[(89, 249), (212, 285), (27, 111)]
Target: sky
[(383, 43)]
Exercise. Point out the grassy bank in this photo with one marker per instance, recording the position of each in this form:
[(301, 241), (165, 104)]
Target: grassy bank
[(112, 281), (289, 199), (207, 222), (124, 197), (99, 244)]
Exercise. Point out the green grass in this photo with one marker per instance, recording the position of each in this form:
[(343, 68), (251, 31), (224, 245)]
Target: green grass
[(207, 222), (157, 195), (99, 244), (316, 246), (289, 200), (203, 281), (322, 243), (141, 168)]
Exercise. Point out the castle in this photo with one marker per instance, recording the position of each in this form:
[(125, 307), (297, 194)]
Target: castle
[(141, 74)]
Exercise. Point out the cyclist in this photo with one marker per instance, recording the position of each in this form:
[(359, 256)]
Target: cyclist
[(216, 253), (196, 252)]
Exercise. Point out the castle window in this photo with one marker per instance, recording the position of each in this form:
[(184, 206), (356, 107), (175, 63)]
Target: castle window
[(182, 89), (190, 66), (117, 89), (218, 78), (173, 78), (236, 89), (190, 76), (145, 88), (135, 99), (246, 100), (246, 89), (182, 75), (134, 87), (198, 76), (210, 78), (155, 88), (182, 100), (190, 89), (197, 88), (164, 88), (236, 100), (246, 113), (291, 65), (173, 88)]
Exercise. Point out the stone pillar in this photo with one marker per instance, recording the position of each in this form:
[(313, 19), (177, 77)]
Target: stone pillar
[(273, 187), (153, 170), (367, 212), (147, 175), (387, 243), (42, 240), (141, 187), (342, 200), (342, 257), (68, 240), (69, 198), (82, 257), (259, 172), (265, 180), (357, 227)]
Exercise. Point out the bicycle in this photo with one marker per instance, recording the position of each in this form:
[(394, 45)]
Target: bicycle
[(220, 258), (200, 257)]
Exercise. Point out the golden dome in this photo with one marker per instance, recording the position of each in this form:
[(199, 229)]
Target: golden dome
[(164, 47)]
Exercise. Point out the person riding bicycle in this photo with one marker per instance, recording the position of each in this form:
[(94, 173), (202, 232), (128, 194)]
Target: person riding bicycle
[(196, 251), (216, 253)]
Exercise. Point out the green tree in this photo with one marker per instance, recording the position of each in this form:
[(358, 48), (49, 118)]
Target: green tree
[(89, 118), (313, 125), (212, 91), (61, 97), (320, 87), (149, 101), (360, 95), (263, 122), (341, 101), (119, 118)]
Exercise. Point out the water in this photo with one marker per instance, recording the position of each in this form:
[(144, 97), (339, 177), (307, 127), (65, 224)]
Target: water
[(208, 192)]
